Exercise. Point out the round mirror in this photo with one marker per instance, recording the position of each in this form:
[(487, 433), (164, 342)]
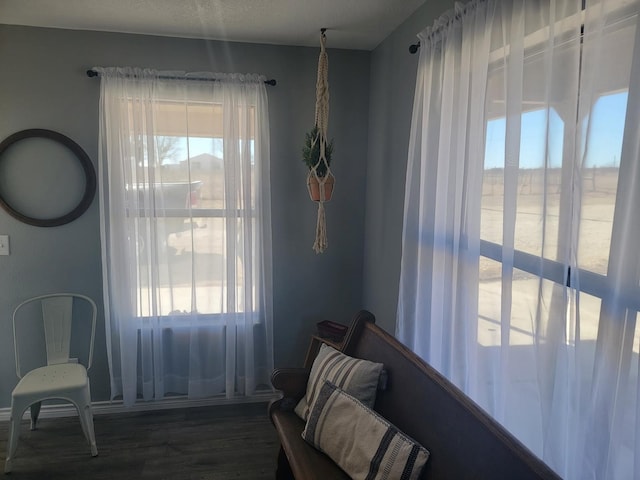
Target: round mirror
[(45, 193)]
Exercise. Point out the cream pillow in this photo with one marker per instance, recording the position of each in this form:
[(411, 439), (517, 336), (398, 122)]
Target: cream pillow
[(355, 376), (361, 442)]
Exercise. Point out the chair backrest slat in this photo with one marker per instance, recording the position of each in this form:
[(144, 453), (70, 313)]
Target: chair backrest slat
[(57, 315)]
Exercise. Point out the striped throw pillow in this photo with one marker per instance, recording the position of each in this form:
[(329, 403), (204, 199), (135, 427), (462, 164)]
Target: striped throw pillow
[(355, 376), (361, 442)]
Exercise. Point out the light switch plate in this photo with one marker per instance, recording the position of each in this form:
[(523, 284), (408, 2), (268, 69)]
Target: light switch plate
[(4, 244)]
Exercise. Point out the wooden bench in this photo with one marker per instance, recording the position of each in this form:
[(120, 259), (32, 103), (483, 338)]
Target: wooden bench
[(463, 441)]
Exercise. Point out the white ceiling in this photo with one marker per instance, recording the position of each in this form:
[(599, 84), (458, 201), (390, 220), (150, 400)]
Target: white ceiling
[(356, 24)]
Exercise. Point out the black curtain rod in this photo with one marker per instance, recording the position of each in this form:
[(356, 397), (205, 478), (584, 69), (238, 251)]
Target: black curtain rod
[(451, 16), (93, 73)]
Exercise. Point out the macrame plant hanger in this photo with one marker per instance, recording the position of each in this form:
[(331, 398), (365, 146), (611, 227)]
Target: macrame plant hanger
[(322, 123)]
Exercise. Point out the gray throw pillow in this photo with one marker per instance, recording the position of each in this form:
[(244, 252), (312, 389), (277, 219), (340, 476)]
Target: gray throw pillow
[(355, 376), (361, 442)]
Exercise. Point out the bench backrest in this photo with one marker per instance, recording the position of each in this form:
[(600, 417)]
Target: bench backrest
[(464, 442)]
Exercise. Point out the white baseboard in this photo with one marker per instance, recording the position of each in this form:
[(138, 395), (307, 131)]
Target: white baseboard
[(116, 406)]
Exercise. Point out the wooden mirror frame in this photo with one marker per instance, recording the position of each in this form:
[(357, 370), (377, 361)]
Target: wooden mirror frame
[(85, 163)]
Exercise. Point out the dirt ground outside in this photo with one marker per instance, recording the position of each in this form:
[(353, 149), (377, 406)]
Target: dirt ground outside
[(596, 209), (534, 203)]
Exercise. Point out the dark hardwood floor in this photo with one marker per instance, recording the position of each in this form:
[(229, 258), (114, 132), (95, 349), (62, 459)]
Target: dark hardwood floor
[(217, 442)]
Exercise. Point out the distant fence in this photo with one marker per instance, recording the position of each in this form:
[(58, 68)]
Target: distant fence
[(532, 181)]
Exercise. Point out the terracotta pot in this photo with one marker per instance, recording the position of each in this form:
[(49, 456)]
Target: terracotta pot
[(314, 187)]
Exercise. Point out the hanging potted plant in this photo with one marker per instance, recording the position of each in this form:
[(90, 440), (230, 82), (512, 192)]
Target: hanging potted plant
[(311, 158)]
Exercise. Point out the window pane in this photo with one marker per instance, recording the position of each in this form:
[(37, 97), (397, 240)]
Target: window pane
[(538, 189), (600, 181), (627, 433), (192, 173), (489, 289), (589, 318), (191, 265), (491, 217), (525, 294), (197, 262), (207, 167), (524, 316)]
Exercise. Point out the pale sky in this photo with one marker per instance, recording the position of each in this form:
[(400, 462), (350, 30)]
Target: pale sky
[(605, 136)]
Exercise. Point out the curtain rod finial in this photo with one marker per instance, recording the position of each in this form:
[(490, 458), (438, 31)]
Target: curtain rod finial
[(414, 48), (92, 73)]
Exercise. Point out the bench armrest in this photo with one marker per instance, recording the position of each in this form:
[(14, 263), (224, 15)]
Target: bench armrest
[(292, 382)]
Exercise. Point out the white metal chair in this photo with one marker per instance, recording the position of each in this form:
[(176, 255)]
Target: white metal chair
[(62, 377)]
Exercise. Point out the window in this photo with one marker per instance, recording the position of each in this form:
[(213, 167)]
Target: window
[(562, 214), (186, 233), (192, 212), (191, 204), (519, 276)]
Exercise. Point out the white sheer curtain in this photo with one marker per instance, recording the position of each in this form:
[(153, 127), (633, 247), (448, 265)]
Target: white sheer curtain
[(520, 270), (186, 233)]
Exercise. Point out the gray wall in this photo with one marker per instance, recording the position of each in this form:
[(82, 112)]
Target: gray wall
[(393, 78), (43, 85)]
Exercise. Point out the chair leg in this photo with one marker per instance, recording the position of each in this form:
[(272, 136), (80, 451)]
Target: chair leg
[(35, 412), (86, 420), (14, 434)]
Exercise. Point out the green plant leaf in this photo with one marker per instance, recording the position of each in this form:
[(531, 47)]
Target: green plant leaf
[(311, 152)]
